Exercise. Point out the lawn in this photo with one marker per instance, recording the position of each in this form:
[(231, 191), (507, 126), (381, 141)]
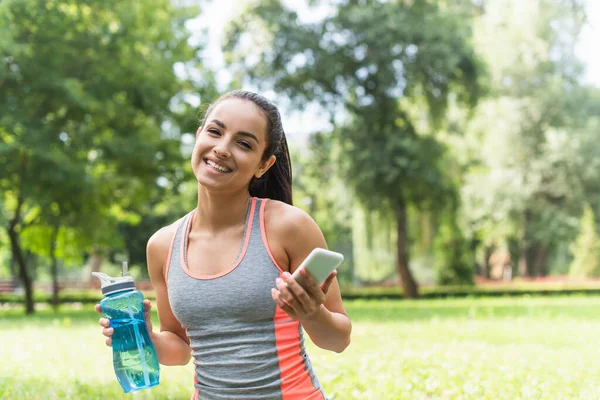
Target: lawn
[(494, 348)]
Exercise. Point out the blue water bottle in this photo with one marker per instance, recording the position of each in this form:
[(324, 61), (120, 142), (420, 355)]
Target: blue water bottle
[(134, 358)]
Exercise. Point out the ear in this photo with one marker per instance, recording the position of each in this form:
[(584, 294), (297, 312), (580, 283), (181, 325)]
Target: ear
[(265, 166)]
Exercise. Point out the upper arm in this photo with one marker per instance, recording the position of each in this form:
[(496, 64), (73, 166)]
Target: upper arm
[(157, 252), (300, 235)]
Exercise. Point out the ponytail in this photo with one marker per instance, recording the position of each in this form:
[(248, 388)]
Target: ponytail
[(276, 183)]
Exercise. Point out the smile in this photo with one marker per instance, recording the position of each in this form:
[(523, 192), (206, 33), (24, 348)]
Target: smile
[(216, 167)]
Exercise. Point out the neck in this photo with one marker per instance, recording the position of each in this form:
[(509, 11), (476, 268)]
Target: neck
[(218, 211)]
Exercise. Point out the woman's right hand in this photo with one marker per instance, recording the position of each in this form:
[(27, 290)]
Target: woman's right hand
[(108, 331)]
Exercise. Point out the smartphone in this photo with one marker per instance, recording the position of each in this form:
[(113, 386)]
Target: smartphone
[(320, 263)]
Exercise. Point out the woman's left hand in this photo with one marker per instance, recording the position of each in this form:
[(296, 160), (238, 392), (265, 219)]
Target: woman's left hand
[(301, 302)]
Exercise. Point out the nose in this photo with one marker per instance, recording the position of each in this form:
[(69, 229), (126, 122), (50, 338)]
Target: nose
[(221, 151)]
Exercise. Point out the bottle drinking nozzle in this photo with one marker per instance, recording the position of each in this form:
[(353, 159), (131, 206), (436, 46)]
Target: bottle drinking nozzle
[(118, 284)]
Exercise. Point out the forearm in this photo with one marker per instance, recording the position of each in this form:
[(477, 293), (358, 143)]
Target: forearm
[(329, 330), (170, 348)]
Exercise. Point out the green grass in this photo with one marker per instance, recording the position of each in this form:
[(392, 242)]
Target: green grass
[(484, 348)]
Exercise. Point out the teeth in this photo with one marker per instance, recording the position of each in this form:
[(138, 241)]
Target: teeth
[(217, 167)]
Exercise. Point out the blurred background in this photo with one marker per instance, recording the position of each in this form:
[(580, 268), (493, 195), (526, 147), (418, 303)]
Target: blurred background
[(448, 149), (434, 142)]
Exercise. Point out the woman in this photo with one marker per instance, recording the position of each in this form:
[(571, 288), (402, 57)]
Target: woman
[(222, 273)]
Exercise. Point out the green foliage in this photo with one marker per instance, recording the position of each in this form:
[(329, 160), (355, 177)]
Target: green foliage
[(368, 65), (90, 136), (454, 263), (87, 117), (365, 58), (374, 239), (586, 249), (525, 177), (320, 191), (93, 122)]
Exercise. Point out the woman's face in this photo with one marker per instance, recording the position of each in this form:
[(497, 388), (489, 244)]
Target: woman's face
[(230, 146)]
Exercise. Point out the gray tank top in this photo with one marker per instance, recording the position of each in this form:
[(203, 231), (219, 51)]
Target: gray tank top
[(244, 346)]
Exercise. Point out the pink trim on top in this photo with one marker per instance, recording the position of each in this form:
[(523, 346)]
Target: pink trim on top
[(168, 263), (263, 233), (185, 239)]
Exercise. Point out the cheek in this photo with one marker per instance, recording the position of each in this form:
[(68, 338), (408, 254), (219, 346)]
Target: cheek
[(196, 154), (252, 161), (199, 146)]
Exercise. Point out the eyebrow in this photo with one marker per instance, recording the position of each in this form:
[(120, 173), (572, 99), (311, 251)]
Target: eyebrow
[(243, 133)]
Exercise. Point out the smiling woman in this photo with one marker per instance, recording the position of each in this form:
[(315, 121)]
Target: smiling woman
[(243, 139), (222, 273)]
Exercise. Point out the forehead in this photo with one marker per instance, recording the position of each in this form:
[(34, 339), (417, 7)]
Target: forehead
[(240, 115)]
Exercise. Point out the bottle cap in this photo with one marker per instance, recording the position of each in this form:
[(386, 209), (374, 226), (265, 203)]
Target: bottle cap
[(113, 285)]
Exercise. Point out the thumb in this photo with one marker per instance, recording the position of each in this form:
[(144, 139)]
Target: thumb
[(328, 281)]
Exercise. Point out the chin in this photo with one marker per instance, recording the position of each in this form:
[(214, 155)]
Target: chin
[(207, 182)]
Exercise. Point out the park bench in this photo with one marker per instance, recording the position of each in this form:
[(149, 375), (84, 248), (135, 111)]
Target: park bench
[(7, 286)]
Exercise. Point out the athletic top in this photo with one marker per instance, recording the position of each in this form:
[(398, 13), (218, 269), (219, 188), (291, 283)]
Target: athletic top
[(244, 346)]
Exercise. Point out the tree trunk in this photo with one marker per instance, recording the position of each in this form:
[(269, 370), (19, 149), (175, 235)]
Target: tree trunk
[(95, 261), (487, 253), (17, 254), (13, 269), (524, 268), (540, 265), (54, 267), (408, 283)]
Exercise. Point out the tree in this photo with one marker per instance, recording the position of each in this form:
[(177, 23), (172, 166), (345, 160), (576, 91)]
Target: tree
[(367, 64), (86, 89), (586, 249), (524, 178)]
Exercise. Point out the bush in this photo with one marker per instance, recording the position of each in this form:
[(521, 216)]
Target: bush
[(454, 264)]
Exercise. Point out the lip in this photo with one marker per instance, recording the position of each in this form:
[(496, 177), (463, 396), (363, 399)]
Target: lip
[(220, 164)]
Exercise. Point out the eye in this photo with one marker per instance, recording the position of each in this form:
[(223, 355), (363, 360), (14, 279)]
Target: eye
[(246, 145), (214, 131)]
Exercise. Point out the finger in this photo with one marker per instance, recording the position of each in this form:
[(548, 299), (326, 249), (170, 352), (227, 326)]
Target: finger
[(108, 332), (104, 322), (284, 291), (147, 308), (108, 342), (97, 308), (310, 284), (147, 314), (306, 301), (275, 294), (328, 282), (288, 296)]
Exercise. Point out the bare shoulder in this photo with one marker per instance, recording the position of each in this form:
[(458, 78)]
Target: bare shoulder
[(158, 246), (285, 219), (161, 239), (293, 231)]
